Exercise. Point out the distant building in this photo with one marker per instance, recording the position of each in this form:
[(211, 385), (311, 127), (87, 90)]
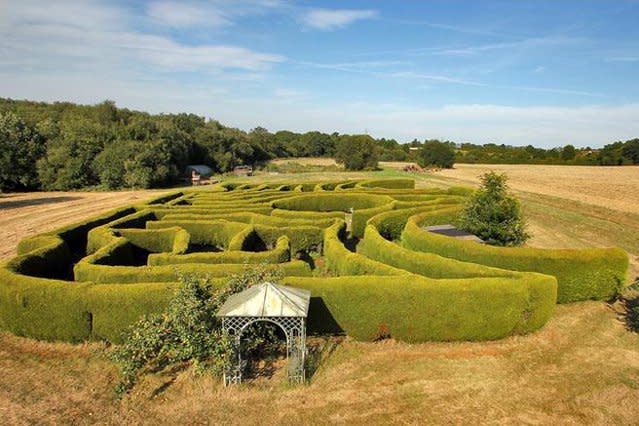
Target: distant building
[(243, 171), (200, 169), (200, 174)]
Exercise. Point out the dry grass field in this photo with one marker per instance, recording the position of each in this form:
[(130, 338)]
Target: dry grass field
[(615, 188), (25, 214), (581, 368)]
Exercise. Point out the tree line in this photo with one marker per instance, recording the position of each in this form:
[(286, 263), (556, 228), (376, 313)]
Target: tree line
[(65, 146)]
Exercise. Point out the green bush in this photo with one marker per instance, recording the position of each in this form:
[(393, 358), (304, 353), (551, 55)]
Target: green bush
[(493, 214), (170, 240), (344, 262)]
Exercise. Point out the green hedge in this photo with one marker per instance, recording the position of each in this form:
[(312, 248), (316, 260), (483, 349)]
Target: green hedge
[(326, 202), (87, 272), (391, 224), (281, 253), (205, 232), (344, 262), (171, 240), (595, 273), (390, 183), (310, 215), (430, 265), (302, 238), (418, 309), (361, 216)]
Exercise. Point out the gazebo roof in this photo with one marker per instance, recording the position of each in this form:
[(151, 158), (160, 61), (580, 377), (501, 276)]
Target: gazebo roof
[(267, 300)]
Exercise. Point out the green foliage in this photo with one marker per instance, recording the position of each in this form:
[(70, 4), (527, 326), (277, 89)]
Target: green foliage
[(186, 331), (568, 152), (357, 152), (436, 153), (493, 214), (20, 147)]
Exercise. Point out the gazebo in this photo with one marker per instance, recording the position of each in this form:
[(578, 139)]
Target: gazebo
[(284, 306)]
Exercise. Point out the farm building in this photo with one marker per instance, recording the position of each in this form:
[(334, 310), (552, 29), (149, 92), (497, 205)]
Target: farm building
[(243, 171)]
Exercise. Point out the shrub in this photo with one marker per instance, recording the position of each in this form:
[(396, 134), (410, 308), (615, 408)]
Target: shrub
[(493, 214)]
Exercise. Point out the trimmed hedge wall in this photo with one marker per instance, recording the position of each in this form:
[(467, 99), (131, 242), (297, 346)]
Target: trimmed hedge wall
[(281, 253), (429, 265), (584, 274), (391, 183), (344, 262), (205, 232), (418, 309), (326, 202)]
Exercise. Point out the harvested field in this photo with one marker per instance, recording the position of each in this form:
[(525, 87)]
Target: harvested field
[(26, 214), (615, 188)]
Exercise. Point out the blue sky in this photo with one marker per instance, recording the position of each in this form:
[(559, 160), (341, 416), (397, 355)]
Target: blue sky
[(545, 73)]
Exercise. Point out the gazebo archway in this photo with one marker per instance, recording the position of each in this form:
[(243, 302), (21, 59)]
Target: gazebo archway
[(287, 307)]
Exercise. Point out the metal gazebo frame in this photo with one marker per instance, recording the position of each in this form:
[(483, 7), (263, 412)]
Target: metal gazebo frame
[(287, 307)]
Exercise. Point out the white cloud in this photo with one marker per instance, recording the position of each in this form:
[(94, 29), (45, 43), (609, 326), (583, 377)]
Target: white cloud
[(330, 19), (90, 35), (181, 14)]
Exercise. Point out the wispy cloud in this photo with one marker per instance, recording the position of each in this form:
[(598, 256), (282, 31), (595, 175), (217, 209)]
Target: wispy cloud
[(182, 14), (358, 67), (33, 39), (330, 19)]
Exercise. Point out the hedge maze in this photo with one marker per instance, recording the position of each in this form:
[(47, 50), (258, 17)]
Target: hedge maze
[(372, 273)]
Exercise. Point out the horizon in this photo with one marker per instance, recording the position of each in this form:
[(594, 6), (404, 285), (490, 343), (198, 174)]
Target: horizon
[(523, 73)]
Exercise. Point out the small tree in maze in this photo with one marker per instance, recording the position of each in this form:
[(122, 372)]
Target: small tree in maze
[(493, 214)]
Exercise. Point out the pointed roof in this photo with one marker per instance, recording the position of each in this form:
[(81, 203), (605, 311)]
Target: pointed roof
[(267, 300)]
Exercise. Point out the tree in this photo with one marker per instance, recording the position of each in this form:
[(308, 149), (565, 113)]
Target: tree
[(493, 214), (630, 150), (20, 148), (436, 153), (568, 153), (357, 152)]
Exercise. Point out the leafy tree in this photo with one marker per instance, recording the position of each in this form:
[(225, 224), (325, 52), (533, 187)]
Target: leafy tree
[(357, 152), (568, 152), (20, 148), (436, 153), (630, 150), (493, 214)]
